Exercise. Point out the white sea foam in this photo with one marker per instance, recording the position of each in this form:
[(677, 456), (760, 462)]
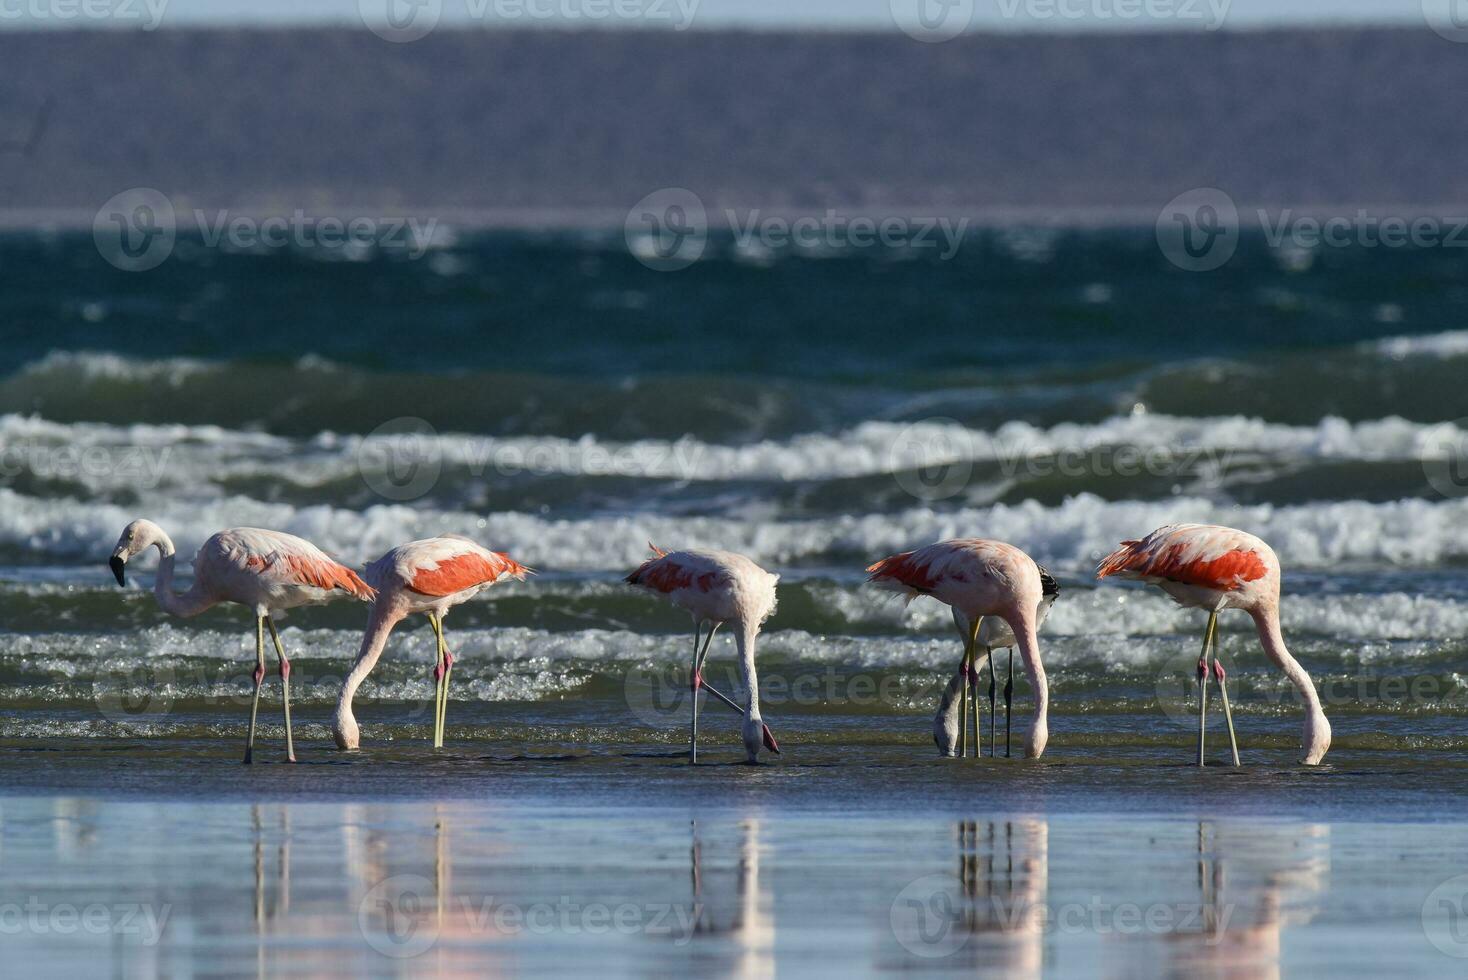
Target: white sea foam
[(1449, 343), (1072, 536), (198, 458)]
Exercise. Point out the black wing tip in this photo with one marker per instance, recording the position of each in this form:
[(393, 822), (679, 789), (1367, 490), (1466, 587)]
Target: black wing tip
[(1048, 585)]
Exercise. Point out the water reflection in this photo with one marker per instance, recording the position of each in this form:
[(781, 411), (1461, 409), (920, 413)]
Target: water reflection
[(735, 905), (468, 889)]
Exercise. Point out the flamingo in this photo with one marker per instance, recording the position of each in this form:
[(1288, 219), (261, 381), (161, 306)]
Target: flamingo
[(994, 633), (717, 587), (430, 576), (980, 578), (1217, 568), (268, 571)]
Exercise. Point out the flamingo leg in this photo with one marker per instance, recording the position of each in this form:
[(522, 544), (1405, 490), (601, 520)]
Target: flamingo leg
[(1008, 700), (285, 684), (700, 657), (963, 669), (993, 718), (970, 690), (440, 692), (1228, 712), (1203, 685), (695, 681), (973, 689), (259, 679)]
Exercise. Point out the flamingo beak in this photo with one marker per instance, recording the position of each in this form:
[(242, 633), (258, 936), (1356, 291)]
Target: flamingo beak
[(117, 563), (770, 740)]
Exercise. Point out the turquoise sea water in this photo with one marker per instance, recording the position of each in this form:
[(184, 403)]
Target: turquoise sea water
[(553, 397)]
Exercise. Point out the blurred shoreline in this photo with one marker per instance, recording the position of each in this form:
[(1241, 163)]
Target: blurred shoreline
[(507, 128)]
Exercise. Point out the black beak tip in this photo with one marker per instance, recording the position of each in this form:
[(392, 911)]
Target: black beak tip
[(117, 565)]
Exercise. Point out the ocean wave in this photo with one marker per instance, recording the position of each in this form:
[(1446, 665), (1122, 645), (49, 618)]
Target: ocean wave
[(101, 458), (1072, 536)]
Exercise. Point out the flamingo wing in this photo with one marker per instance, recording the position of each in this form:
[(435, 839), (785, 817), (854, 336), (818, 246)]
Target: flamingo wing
[(1192, 554), (670, 572), (285, 557), (464, 570)]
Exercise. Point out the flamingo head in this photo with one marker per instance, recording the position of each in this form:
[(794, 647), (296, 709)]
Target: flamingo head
[(136, 537), (757, 736)]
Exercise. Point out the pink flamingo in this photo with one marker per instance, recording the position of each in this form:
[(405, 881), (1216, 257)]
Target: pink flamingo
[(268, 571), (717, 587), (1217, 568), (429, 576), (980, 578)]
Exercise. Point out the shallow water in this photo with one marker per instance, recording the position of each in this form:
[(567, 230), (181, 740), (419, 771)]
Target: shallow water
[(724, 877), (1062, 390)]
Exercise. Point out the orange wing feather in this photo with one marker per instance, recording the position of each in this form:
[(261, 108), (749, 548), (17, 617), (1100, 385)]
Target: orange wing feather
[(318, 573), (902, 568), (1227, 572), (464, 571), (666, 575)]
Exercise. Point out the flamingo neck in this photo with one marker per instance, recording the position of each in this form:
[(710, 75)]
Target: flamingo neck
[(182, 604), (1029, 652), (1317, 728), (745, 640), (343, 723)]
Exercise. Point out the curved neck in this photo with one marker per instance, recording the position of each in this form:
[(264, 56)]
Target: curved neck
[(1317, 729), (1029, 652), (184, 604), (744, 639), (379, 626)]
